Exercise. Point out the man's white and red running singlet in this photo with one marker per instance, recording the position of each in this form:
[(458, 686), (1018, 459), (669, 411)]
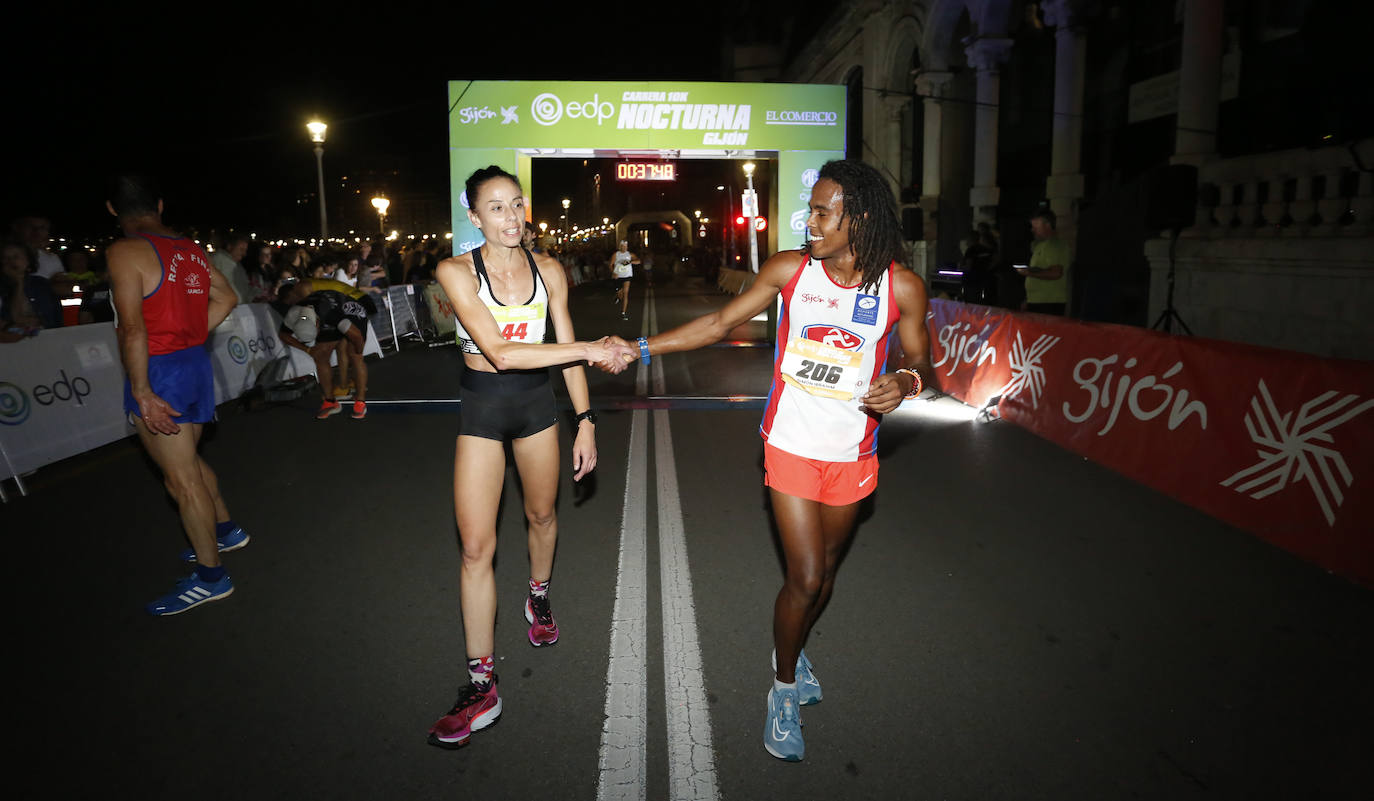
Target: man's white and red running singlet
[(176, 313), (832, 344)]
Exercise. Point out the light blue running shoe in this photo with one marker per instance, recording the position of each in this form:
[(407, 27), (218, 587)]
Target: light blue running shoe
[(189, 592), (782, 734), (229, 542), (808, 686)]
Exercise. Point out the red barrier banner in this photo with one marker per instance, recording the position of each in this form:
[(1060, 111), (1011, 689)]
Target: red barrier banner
[(1275, 442)]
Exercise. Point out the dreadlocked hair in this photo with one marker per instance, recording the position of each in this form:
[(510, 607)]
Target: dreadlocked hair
[(875, 232)]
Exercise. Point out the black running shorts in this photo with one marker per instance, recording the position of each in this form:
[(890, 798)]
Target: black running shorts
[(333, 308), (505, 406)]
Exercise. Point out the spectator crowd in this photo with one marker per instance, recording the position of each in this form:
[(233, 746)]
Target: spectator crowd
[(41, 288)]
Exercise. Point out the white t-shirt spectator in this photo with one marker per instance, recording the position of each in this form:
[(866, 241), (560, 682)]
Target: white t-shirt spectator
[(48, 264), (342, 275)]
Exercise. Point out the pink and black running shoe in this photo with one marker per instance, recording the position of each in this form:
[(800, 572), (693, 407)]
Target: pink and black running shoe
[(475, 709), (543, 630)]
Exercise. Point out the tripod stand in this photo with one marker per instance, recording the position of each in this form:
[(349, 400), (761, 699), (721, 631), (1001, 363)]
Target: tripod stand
[(1170, 314)]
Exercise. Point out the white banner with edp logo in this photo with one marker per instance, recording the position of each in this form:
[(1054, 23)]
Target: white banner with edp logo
[(61, 393), (241, 346)]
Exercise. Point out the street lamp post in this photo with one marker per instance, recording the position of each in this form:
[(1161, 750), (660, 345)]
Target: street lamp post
[(727, 239), (752, 211), (567, 219), (381, 204), (317, 130)]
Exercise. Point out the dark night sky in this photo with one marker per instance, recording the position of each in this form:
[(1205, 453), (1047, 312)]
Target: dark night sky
[(216, 106)]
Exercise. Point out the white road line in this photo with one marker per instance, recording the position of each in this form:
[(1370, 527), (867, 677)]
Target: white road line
[(691, 757), (623, 764)]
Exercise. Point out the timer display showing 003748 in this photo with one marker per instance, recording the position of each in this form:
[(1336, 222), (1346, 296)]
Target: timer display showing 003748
[(645, 171)]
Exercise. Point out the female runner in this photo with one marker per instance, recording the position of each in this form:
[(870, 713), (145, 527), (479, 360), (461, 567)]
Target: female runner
[(622, 270), (501, 294), (842, 297)]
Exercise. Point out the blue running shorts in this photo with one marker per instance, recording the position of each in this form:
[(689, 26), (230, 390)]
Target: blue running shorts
[(184, 378)]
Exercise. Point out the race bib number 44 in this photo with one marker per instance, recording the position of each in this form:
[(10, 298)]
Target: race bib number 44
[(821, 369), (520, 323)]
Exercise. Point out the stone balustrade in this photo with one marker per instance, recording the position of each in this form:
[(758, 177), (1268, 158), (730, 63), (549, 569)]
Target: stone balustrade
[(1289, 193), (1282, 254)]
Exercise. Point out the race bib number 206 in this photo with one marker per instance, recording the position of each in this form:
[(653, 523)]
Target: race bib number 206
[(821, 369)]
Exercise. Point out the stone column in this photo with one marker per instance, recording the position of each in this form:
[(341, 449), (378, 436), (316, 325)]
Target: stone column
[(1199, 82), (986, 55), (895, 105), (1064, 188), (931, 86)]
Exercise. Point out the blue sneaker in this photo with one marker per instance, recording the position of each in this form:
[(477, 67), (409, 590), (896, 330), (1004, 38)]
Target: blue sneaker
[(189, 592), (782, 734), (229, 542), (808, 686)]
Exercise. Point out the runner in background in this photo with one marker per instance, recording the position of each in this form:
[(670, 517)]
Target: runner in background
[(622, 271), (842, 297), (342, 312), (502, 294), (167, 299)]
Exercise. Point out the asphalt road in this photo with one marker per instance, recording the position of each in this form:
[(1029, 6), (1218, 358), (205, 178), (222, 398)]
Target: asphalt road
[(1012, 622)]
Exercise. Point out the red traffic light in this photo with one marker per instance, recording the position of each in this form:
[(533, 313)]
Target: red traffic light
[(739, 220)]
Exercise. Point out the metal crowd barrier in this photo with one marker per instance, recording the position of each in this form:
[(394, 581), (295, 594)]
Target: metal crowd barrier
[(398, 316)]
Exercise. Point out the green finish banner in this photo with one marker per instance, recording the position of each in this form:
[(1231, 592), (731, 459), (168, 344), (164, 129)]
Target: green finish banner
[(796, 174), (463, 163), (656, 115)]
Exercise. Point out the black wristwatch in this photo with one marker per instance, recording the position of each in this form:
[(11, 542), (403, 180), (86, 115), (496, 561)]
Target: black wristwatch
[(589, 416)]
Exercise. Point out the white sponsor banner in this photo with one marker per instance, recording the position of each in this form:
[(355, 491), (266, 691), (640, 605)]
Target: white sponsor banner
[(61, 393), (241, 346)]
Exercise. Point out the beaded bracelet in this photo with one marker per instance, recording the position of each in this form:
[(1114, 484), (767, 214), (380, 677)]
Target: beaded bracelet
[(916, 387)]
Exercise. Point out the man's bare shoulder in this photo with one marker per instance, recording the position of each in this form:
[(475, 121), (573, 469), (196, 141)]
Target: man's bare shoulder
[(907, 285), (131, 252), (902, 274), (130, 245), (783, 265)]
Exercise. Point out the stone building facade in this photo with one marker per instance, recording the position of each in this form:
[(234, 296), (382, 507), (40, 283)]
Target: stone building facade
[(981, 110)]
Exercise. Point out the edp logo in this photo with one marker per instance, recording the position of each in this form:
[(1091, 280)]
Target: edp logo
[(14, 402), (548, 109)]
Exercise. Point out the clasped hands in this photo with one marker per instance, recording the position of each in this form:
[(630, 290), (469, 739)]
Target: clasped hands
[(612, 354)]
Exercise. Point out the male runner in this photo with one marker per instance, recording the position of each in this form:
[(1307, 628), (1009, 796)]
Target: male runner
[(342, 313), (167, 297), (843, 295)]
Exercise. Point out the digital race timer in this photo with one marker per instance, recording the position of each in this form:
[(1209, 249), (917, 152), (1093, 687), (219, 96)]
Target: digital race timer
[(645, 171)]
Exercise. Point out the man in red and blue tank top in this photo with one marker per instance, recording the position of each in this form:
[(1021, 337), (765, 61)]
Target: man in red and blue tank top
[(167, 297), (842, 298)]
